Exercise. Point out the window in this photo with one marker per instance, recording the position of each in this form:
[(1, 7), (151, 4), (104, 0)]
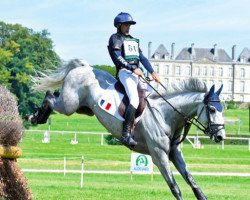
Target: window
[(166, 57), (188, 71), (220, 72), (210, 84), (156, 67), (156, 56), (197, 71), (178, 70), (205, 71), (165, 69), (242, 98), (242, 73), (177, 81), (230, 72), (211, 71), (230, 86), (165, 81), (242, 86), (220, 82)]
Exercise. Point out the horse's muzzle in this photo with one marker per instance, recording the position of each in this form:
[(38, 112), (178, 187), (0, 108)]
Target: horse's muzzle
[(219, 135)]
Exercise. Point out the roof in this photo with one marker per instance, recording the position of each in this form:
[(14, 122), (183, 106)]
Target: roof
[(204, 53), (245, 55), (161, 52)]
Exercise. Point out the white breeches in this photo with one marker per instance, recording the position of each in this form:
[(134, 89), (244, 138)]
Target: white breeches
[(130, 81)]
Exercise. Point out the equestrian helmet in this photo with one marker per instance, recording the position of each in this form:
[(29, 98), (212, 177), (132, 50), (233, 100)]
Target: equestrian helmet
[(123, 18)]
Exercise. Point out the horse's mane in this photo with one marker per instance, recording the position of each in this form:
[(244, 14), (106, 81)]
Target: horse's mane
[(190, 85)]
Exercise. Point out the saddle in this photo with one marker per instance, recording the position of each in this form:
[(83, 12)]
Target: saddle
[(125, 100), (115, 100)]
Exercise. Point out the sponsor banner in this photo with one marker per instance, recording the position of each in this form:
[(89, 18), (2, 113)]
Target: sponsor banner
[(141, 163)]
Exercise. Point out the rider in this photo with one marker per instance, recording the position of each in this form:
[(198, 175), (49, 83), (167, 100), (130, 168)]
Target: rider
[(126, 55)]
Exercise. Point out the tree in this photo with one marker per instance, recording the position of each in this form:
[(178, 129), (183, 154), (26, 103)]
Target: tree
[(109, 69), (23, 52)]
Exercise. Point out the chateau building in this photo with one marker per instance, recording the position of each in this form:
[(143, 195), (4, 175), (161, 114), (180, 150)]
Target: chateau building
[(211, 65)]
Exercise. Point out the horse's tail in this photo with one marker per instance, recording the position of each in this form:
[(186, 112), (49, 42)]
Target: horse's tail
[(52, 79)]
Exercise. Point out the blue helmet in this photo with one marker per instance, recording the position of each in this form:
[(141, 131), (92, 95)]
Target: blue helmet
[(123, 18)]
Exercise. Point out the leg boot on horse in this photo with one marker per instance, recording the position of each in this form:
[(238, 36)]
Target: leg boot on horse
[(129, 116)]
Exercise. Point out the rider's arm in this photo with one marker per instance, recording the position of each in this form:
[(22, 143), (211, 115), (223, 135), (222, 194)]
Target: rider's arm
[(120, 61), (146, 63)]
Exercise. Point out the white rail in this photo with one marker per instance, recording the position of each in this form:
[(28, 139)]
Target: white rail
[(195, 138)]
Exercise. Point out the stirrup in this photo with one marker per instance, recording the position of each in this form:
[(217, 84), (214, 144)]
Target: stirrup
[(128, 140)]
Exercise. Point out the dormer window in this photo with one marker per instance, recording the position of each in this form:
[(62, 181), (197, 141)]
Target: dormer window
[(156, 56)]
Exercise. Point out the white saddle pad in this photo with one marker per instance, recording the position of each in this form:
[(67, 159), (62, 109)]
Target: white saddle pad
[(110, 101)]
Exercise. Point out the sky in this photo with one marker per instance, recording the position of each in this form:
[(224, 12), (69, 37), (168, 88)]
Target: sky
[(81, 28)]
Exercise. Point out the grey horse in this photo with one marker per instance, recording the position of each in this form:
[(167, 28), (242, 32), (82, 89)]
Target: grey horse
[(160, 128)]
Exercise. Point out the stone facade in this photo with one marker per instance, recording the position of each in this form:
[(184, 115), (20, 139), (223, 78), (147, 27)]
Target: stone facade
[(211, 65)]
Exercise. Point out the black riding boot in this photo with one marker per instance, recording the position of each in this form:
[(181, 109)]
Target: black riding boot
[(126, 131)]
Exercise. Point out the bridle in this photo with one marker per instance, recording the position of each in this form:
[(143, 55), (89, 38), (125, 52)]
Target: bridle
[(210, 125), (209, 130)]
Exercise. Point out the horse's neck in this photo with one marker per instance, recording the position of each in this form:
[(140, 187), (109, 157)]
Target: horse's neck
[(188, 103)]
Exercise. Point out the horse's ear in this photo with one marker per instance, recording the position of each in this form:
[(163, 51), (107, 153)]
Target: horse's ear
[(219, 90), (211, 91)]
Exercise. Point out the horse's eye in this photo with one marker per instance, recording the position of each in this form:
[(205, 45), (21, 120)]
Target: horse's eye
[(212, 109)]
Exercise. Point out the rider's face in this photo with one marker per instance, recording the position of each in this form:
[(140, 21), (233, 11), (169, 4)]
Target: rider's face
[(125, 28)]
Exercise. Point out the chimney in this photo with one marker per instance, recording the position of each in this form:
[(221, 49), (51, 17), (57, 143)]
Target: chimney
[(233, 52), (215, 52), (149, 50), (192, 51), (172, 51)]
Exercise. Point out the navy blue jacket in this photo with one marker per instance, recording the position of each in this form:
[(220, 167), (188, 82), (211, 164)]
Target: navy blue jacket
[(116, 51)]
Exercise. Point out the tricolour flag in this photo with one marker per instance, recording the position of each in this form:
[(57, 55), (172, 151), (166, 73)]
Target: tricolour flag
[(104, 104)]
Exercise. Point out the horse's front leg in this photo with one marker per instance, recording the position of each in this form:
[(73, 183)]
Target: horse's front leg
[(177, 158), (161, 160)]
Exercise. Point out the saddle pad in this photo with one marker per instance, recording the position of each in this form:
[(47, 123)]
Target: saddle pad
[(110, 102)]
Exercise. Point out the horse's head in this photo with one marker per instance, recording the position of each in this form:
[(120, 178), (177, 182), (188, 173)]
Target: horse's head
[(210, 115)]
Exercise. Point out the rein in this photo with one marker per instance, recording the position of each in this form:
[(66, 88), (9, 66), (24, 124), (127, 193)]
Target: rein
[(189, 121)]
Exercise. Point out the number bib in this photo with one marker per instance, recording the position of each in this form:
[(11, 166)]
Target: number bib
[(131, 48)]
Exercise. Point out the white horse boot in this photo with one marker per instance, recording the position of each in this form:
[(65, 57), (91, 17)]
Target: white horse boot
[(129, 116)]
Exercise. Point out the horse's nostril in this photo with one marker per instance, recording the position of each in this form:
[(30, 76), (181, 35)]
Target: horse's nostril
[(219, 138)]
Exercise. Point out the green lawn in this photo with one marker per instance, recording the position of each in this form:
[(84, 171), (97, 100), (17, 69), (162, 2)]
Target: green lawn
[(110, 157), (46, 186), (37, 155)]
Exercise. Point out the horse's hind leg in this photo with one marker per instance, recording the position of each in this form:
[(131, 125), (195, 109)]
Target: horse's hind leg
[(177, 158), (42, 114)]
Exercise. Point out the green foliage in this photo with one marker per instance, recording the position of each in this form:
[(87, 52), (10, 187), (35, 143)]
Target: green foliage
[(231, 105), (107, 68), (111, 140), (22, 53)]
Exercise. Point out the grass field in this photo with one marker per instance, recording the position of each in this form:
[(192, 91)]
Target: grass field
[(96, 186), (234, 158), (37, 155), (77, 122)]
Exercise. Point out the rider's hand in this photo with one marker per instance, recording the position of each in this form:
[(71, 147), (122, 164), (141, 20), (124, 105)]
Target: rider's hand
[(156, 77), (138, 72)]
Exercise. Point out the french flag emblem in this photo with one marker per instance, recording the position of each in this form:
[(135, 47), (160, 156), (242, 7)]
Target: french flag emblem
[(106, 105)]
